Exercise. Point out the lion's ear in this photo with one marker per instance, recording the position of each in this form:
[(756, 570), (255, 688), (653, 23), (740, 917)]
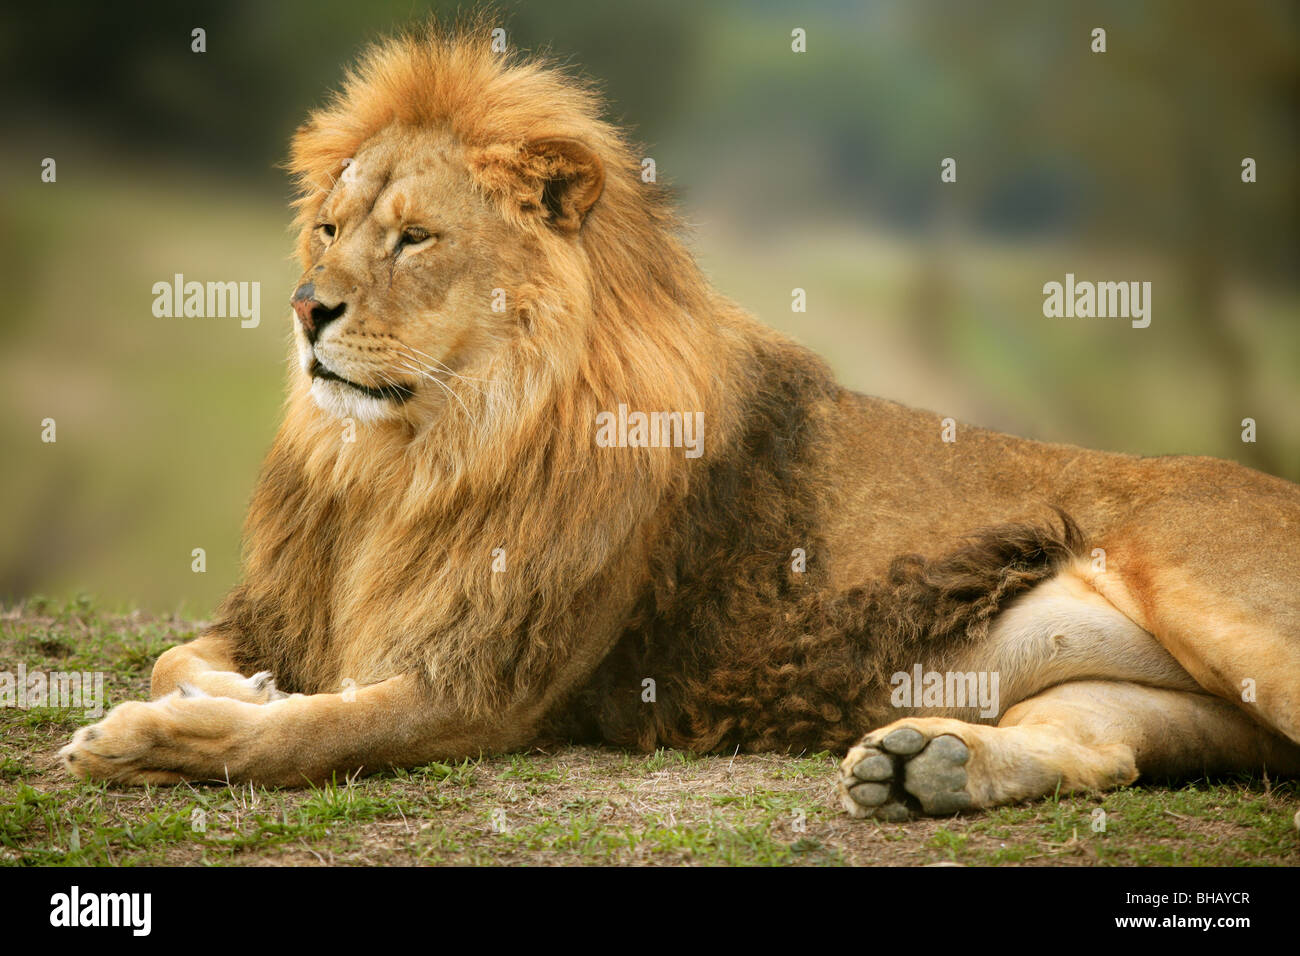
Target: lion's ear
[(566, 177)]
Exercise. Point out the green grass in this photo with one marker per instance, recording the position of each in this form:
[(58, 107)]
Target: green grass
[(578, 805)]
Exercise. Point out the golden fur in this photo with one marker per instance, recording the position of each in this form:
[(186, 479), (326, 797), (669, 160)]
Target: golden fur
[(440, 561)]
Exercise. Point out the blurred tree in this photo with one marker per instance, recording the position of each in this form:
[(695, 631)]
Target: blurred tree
[(126, 72)]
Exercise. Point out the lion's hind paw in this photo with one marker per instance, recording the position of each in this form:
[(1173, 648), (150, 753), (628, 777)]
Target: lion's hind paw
[(894, 773)]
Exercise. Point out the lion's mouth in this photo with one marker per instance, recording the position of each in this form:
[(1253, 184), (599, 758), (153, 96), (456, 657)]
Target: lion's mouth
[(392, 393)]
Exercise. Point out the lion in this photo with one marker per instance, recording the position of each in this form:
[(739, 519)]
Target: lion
[(480, 528)]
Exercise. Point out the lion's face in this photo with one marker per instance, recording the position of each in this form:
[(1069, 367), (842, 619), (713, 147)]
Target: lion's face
[(397, 297)]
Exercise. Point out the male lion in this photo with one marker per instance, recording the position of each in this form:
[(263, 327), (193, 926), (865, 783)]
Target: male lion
[(443, 559)]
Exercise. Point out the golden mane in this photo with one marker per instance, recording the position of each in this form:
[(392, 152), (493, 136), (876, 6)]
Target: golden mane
[(619, 314)]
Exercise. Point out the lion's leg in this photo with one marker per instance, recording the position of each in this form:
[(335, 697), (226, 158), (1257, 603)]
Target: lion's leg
[(288, 742), (207, 664), (1083, 735), (1242, 647)]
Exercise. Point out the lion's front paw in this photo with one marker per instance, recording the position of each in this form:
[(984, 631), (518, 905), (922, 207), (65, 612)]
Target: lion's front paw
[(904, 768), (168, 740), (117, 748)]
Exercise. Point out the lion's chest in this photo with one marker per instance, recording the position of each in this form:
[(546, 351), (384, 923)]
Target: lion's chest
[(398, 589)]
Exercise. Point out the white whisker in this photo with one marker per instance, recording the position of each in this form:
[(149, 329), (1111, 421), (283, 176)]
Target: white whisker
[(447, 388), (441, 366)]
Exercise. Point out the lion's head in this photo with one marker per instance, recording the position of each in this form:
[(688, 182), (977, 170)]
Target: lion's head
[(396, 292), (457, 209)]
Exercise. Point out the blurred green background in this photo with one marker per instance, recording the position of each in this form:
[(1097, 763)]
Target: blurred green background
[(817, 170)]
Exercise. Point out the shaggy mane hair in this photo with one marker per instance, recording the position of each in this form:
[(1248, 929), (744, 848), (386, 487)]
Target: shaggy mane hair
[(806, 674), (372, 558)]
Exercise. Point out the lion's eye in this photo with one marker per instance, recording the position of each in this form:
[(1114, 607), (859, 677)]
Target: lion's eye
[(327, 229), (413, 236)]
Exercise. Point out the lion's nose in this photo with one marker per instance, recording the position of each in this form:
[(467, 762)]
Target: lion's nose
[(313, 314)]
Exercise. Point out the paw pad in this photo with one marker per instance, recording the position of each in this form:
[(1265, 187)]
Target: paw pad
[(905, 772)]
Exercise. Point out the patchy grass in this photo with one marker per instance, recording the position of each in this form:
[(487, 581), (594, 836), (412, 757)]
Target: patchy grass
[(579, 805)]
